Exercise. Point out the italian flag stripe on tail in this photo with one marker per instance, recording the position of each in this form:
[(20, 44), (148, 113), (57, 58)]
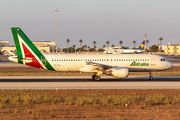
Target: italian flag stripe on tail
[(26, 49)]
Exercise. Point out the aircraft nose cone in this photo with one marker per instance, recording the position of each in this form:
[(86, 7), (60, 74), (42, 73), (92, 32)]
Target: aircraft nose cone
[(169, 65)]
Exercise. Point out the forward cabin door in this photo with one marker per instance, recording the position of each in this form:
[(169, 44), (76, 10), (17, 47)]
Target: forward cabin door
[(152, 61)]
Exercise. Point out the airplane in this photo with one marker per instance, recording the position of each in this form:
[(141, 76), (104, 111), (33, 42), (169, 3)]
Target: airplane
[(140, 49), (116, 65), (8, 53)]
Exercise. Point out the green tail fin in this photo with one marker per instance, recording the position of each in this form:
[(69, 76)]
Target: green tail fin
[(26, 49)]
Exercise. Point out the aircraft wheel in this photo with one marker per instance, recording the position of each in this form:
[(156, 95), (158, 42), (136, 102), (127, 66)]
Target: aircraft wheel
[(151, 78), (93, 77), (97, 78)]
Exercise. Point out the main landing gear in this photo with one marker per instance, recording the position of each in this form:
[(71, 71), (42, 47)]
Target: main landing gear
[(150, 76), (95, 77)]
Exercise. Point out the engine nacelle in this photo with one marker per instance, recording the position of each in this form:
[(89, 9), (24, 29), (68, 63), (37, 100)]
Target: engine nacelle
[(120, 72)]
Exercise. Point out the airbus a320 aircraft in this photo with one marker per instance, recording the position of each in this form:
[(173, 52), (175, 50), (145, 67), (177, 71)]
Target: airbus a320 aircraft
[(116, 65), (140, 49)]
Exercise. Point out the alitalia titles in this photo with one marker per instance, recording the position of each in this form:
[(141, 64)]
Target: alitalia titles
[(139, 64)]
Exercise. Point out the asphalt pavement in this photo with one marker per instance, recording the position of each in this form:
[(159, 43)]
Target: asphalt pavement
[(85, 82)]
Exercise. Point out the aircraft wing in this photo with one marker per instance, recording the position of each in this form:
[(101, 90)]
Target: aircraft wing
[(99, 65), (96, 67)]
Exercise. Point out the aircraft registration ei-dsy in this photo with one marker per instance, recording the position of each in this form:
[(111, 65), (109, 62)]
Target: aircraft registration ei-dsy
[(116, 65)]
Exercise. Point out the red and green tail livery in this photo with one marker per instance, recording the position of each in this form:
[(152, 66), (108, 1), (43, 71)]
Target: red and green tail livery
[(27, 53)]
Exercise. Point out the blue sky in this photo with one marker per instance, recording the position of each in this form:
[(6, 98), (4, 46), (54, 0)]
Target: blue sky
[(92, 20)]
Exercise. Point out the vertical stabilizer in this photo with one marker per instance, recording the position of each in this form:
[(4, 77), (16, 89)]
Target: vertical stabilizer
[(141, 47), (27, 53)]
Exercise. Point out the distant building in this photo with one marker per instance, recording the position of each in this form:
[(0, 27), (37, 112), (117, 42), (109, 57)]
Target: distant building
[(4, 43), (43, 46), (172, 49)]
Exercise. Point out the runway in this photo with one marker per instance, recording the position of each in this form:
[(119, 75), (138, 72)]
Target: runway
[(85, 82)]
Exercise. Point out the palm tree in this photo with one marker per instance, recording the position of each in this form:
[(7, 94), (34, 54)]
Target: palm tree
[(80, 42), (67, 44), (94, 42), (85, 47), (104, 46), (120, 42), (134, 43), (147, 41), (107, 42), (74, 46), (71, 49), (160, 43), (88, 48), (112, 45)]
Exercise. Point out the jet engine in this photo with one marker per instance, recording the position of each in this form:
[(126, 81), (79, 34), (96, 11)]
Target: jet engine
[(120, 72)]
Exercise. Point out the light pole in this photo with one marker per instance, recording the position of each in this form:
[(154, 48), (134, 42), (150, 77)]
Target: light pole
[(56, 27)]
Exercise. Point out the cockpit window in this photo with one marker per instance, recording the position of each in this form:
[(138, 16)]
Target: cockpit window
[(163, 59)]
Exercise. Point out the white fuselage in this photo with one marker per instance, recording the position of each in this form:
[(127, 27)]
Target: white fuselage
[(134, 62)]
